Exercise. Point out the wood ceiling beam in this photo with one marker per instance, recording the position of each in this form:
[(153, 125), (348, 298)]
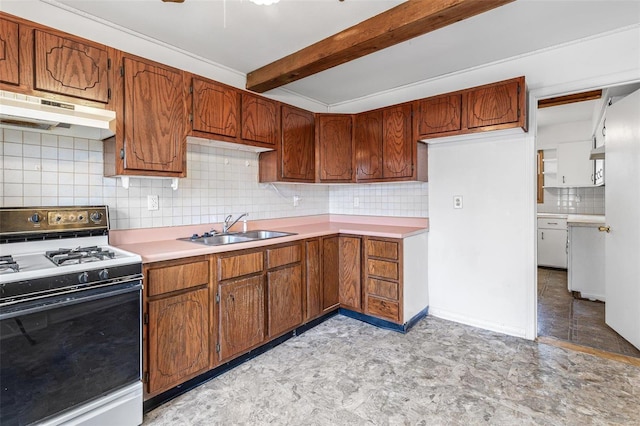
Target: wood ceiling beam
[(401, 23), (569, 99)]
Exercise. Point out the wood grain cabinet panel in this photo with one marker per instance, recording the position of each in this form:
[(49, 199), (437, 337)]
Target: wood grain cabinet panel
[(382, 248), (280, 256), (260, 119), (313, 279), (493, 105), (284, 288), (350, 272), (383, 308), (241, 313), (383, 269), (154, 118), (216, 108), (335, 147), (397, 142), (237, 265), (178, 277), (439, 114), (297, 147), (368, 145), (178, 339), (383, 288), (9, 48), (330, 273), (383, 277), (71, 66)]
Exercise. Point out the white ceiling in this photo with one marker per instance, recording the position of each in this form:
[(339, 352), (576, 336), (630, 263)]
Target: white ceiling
[(243, 36)]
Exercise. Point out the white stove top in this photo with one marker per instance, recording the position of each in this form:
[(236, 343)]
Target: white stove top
[(31, 259)]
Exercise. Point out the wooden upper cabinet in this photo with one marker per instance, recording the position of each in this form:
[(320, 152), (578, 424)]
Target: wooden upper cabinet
[(297, 148), (71, 66), (397, 142), (260, 119), (216, 108), (368, 145), (335, 147), (440, 114), (9, 47), (154, 117), (494, 104)]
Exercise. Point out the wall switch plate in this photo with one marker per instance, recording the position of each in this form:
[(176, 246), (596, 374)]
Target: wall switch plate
[(152, 202), (356, 201), (457, 201), (296, 200)]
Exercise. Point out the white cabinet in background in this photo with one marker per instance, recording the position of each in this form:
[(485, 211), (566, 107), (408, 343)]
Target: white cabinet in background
[(586, 261), (552, 242), (574, 167)]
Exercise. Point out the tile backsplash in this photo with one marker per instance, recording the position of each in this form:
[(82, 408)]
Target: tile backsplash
[(48, 170), (573, 200)]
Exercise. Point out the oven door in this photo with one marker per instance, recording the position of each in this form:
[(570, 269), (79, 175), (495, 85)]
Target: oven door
[(66, 350)]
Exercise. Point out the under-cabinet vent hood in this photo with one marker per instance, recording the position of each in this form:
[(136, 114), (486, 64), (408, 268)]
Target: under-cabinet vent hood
[(61, 118), (597, 153)]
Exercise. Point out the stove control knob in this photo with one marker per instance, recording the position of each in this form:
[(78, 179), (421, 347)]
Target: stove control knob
[(35, 218), (194, 237), (104, 274), (96, 217), (83, 278)]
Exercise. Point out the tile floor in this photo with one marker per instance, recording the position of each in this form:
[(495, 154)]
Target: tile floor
[(345, 372), (562, 316)]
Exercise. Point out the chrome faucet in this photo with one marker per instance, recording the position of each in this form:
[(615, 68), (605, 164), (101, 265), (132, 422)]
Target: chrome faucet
[(228, 225)]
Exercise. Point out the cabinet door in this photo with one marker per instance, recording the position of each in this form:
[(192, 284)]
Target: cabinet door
[(368, 145), (260, 119), (574, 166), (330, 273), (350, 276), (284, 287), (313, 279), (154, 117), (215, 108), (494, 104), (9, 46), (178, 338), (397, 142), (70, 66), (439, 114), (241, 315), (552, 248), (335, 149), (297, 149)]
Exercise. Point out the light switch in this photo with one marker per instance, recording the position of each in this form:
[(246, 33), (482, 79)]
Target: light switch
[(457, 201)]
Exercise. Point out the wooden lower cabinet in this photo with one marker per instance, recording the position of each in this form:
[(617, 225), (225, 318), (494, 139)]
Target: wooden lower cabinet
[(330, 273), (176, 326), (240, 315), (284, 288), (349, 272), (382, 291)]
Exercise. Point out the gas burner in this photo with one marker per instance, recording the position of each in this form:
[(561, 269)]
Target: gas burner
[(78, 255), (7, 264)]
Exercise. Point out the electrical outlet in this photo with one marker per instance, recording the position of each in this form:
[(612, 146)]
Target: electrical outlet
[(152, 202), (457, 201), (356, 202)]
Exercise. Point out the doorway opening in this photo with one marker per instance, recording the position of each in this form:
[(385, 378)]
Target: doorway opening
[(571, 194)]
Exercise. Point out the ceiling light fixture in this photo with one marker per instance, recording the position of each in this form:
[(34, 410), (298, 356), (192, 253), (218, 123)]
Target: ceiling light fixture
[(264, 2)]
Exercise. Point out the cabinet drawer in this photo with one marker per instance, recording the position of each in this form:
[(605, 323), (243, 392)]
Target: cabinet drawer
[(239, 265), (383, 308), (283, 256), (383, 249), (382, 288), (177, 277), (552, 223), (383, 269)]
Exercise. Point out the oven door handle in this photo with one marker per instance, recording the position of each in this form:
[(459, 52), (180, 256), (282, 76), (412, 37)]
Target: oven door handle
[(61, 300)]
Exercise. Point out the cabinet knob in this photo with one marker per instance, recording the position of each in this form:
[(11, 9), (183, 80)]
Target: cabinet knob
[(605, 228)]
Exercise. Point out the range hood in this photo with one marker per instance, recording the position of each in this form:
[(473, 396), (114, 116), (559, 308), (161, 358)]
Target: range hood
[(35, 114), (597, 153)]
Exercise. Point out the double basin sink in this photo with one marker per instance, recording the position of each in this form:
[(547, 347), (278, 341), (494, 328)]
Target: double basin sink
[(235, 237)]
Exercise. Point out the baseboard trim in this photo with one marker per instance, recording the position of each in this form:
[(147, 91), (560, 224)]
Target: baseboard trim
[(552, 341), (387, 325)]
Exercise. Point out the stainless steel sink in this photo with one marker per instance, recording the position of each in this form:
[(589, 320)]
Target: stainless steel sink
[(235, 237), (263, 235)]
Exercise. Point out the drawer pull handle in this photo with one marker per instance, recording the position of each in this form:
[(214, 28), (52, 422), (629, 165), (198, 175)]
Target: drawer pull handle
[(552, 223), (606, 229)]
